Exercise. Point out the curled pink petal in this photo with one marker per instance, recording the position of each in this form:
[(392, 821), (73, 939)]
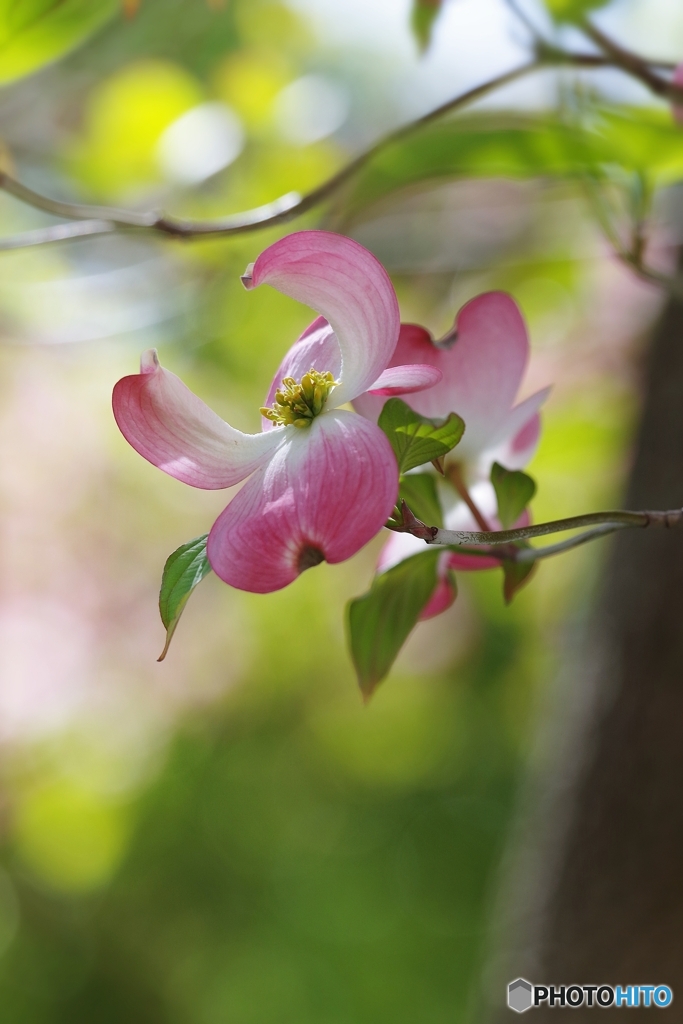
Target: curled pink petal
[(324, 494), (174, 430), (406, 380), (316, 349), (349, 287)]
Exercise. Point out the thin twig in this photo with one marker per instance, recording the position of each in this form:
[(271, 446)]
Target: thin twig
[(633, 64), (454, 474), (634, 258), (528, 24), (616, 519), (102, 220), (74, 211), (281, 210), (673, 285), (57, 233), (534, 554)]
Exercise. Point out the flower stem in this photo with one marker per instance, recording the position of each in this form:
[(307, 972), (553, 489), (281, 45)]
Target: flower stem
[(454, 474)]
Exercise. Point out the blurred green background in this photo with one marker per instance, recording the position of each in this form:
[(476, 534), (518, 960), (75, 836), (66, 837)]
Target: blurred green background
[(230, 837)]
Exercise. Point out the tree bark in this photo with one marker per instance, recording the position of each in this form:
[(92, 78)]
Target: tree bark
[(611, 864)]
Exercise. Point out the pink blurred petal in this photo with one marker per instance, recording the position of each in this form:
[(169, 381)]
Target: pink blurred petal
[(415, 346), (443, 597), (174, 430), (316, 349), (347, 285), (518, 436), (518, 417), (482, 370), (405, 380), (324, 494), (517, 452), (398, 547), (471, 563), (526, 437)]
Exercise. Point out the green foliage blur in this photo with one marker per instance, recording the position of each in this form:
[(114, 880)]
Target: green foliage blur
[(573, 10), (35, 32), (231, 836)]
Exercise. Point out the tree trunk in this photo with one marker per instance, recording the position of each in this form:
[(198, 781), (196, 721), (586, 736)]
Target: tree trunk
[(604, 902)]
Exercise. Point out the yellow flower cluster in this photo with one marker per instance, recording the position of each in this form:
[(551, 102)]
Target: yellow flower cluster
[(297, 404)]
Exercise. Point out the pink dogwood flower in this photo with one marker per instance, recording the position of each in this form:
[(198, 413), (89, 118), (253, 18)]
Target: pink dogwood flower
[(483, 363), (322, 480)]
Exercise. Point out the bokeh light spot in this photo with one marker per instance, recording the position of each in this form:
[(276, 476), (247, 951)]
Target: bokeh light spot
[(310, 109), (70, 838), (200, 143)]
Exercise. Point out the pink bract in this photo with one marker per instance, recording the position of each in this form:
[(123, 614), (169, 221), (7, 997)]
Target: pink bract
[(482, 369), (316, 493), (482, 372)]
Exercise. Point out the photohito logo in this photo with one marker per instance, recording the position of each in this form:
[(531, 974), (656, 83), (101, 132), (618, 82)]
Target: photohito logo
[(522, 995)]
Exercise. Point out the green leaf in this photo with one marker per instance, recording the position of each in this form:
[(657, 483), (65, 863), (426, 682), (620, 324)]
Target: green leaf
[(184, 570), (516, 575), (573, 10), (380, 621), (424, 14), (481, 145), (647, 141), (415, 439), (643, 139), (514, 490), (519, 146), (420, 494), (36, 32)]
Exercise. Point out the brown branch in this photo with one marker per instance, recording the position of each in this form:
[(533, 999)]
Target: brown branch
[(104, 220), (673, 285), (634, 64), (280, 211), (57, 233)]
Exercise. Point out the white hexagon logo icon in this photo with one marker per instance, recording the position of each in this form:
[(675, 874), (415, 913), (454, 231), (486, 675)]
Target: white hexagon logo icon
[(520, 995)]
